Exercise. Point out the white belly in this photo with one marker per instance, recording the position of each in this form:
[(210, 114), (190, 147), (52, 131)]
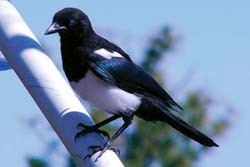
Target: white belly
[(105, 96)]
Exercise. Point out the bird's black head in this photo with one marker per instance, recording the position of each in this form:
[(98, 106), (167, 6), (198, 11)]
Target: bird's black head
[(70, 22)]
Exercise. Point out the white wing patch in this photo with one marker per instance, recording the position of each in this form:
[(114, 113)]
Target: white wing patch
[(106, 54)]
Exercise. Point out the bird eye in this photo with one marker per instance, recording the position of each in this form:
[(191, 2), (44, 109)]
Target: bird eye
[(72, 23)]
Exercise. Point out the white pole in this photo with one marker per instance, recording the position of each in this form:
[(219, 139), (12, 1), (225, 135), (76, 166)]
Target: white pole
[(48, 88)]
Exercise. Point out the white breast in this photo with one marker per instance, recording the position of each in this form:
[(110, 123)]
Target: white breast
[(105, 96)]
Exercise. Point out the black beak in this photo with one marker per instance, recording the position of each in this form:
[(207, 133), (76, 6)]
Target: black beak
[(54, 28)]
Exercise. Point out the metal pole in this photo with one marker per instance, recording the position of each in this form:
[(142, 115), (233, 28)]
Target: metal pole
[(48, 88)]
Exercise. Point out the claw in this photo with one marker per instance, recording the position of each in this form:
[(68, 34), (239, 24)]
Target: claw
[(80, 125), (89, 129), (102, 150)]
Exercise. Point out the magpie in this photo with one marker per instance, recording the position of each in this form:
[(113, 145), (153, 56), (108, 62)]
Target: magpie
[(101, 73)]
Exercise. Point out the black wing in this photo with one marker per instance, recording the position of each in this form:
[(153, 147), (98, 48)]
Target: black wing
[(129, 77)]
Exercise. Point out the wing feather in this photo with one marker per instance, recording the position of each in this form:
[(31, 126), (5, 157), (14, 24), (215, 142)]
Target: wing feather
[(131, 78)]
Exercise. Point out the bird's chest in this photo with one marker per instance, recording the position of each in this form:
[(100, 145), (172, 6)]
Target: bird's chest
[(73, 65), (105, 96)]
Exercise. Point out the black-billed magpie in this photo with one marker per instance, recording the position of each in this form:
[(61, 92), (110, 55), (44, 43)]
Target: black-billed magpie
[(101, 73)]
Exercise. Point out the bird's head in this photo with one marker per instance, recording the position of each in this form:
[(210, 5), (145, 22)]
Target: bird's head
[(70, 22)]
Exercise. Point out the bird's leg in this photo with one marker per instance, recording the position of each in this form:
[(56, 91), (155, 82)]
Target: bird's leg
[(107, 146), (95, 128)]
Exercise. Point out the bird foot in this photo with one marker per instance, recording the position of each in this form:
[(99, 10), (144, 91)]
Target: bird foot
[(102, 149), (89, 129)]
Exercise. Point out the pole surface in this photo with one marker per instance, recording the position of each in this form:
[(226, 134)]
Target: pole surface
[(48, 88)]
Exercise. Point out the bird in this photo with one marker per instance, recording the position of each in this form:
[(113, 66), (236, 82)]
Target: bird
[(103, 74)]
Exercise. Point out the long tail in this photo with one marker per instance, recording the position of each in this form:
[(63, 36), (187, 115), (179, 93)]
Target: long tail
[(151, 113), (188, 130)]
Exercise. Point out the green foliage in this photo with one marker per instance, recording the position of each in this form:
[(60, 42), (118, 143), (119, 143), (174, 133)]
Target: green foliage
[(36, 162), (71, 162), (158, 46)]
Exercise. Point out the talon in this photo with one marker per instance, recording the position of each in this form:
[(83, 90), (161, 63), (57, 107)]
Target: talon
[(102, 150), (93, 147), (115, 150), (94, 150), (89, 129), (78, 135), (80, 125)]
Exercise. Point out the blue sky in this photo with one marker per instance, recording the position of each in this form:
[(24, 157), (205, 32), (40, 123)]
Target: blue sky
[(215, 43)]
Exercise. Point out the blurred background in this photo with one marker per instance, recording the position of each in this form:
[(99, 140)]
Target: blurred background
[(198, 50)]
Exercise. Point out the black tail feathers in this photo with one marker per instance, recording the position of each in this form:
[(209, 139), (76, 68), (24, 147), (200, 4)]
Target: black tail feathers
[(187, 129), (150, 112)]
